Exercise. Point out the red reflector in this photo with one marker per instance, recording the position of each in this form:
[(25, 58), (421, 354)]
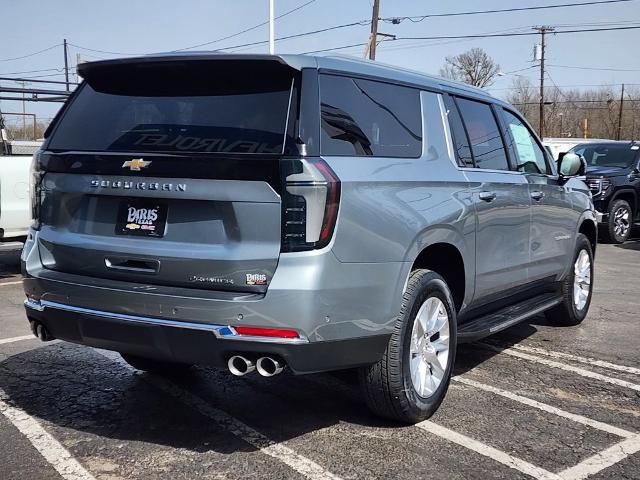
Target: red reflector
[(267, 332)]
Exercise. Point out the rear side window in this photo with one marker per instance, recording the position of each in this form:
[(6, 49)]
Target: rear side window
[(530, 156), (484, 135), (177, 111), (364, 117), (460, 140)]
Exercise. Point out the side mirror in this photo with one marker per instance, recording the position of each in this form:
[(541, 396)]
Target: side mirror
[(570, 165)]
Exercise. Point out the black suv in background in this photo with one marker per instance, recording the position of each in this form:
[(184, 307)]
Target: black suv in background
[(613, 176)]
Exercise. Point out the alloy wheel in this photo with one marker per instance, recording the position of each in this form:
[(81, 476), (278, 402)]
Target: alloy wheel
[(581, 280), (621, 222), (429, 350)]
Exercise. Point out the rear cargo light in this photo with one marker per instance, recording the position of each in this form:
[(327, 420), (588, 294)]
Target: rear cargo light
[(267, 332), (309, 205)]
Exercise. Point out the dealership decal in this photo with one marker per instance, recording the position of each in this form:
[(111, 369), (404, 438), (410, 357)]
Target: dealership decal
[(256, 279)]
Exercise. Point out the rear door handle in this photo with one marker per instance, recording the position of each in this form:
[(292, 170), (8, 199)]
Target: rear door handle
[(488, 196), (537, 195)]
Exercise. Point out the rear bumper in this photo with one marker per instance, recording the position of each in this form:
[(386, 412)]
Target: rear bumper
[(195, 343), (343, 312)]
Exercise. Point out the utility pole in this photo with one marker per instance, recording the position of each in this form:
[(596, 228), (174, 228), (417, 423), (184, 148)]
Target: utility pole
[(542, 31), (373, 38), (620, 114), (66, 65), (272, 40)]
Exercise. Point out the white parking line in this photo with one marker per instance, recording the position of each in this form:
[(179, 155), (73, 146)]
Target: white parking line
[(565, 367), (10, 283), (548, 408), (16, 339), (487, 451), (587, 360), (297, 462), (53, 452), (602, 460)]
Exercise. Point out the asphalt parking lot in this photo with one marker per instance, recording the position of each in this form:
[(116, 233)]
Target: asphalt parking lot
[(534, 401)]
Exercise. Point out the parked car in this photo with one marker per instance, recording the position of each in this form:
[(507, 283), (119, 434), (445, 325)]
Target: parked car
[(15, 214), (613, 175), (260, 212), (557, 146)]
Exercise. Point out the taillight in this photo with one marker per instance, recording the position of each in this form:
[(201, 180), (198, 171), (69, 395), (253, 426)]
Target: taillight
[(35, 181), (310, 200)]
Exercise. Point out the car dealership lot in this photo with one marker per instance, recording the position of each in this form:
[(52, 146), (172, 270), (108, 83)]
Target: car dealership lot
[(533, 401)]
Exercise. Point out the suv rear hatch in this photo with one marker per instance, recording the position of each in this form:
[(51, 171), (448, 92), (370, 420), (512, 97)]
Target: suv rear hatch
[(167, 172)]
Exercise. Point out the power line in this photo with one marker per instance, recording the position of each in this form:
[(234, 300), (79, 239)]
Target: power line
[(486, 35), (245, 30), (517, 34), (102, 51), (336, 48), (31, 54), (297, 35), (420, 18), (34, 71), (571, 86), (606, 69)]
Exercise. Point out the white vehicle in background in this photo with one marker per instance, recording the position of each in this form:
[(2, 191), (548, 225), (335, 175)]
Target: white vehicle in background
[(15, 215), (556, 146)]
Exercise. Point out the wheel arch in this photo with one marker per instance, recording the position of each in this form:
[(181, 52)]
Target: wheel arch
[(445, 250), (589, 228), (630, 196)]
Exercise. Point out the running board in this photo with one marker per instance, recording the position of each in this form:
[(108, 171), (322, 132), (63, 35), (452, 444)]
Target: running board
[(494, 322)]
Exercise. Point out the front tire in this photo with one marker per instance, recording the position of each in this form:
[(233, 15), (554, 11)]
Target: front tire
[(157, 367), (410, 381), (619, 223), (577, 288)]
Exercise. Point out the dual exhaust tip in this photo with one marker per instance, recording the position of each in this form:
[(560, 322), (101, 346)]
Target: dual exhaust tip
[(266, 366), (40, 331)]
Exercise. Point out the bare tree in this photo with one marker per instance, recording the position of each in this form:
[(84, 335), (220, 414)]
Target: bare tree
[(474, 67)]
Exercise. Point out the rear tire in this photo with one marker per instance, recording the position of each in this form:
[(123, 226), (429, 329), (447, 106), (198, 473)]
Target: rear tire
[(410, 381), (576, 292), (158, 367), (619, 223)]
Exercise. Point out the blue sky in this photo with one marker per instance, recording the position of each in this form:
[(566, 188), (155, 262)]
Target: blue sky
[(137, 26)]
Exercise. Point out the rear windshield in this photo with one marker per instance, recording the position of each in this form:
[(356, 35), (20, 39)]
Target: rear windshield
[(193, 111), (616, 156)]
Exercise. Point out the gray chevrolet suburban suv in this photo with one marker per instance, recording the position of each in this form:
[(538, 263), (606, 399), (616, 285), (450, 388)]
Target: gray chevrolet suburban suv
[(263, 212)]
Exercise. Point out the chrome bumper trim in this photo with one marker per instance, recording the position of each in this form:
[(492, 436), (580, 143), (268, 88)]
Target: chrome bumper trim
[(225, 332)]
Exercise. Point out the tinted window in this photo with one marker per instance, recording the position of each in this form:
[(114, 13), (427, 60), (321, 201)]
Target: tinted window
[(484, 135), (530, 157), (182, 117), (598, 155), (363, 117), (460, 139)]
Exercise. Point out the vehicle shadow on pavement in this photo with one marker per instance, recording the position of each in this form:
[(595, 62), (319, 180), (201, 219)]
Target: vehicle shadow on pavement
[(471, 355), (630, 245), (75, 388), (9, 264)]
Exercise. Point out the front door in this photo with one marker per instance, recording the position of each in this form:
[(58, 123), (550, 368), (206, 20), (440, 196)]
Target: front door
[(553, 219), (501, 199)]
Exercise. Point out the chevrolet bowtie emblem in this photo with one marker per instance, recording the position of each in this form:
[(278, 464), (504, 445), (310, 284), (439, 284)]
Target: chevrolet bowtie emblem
[(135, 164)]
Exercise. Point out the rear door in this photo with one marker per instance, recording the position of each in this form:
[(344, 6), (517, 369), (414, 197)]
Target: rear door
[(169, 174), (501, 199), (553, 219)]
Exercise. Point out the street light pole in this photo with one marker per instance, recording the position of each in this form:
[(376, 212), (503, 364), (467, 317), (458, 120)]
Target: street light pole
[(272, 39)]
